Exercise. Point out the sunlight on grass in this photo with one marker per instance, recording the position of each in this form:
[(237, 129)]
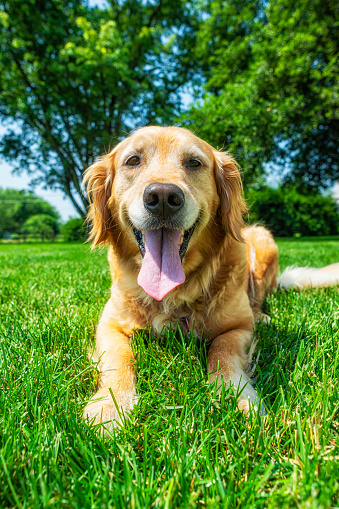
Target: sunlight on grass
[(183, 446)]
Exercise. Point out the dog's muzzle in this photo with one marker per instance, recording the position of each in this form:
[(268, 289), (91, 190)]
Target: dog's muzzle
[(163, 200)]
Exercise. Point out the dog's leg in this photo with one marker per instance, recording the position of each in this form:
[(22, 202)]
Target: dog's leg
[(227, 361), (118, 376), (262, 263)]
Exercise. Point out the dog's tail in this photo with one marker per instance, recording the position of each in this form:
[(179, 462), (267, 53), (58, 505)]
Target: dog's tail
[(306, 277)]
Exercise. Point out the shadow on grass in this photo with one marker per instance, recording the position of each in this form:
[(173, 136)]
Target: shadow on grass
[(297, 343)]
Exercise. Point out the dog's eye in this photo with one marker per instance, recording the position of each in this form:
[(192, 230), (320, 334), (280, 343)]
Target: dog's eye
[(193, 163), (133, 161)]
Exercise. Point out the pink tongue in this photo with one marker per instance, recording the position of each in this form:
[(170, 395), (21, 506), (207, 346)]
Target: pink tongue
[(161, 269)]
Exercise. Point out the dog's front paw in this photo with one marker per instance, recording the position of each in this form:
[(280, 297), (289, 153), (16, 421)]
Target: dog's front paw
[(262, 317), (245, 392), (103, 409), (249, 398)]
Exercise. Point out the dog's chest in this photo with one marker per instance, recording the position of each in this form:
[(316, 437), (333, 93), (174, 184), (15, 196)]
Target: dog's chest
[(184, 318)]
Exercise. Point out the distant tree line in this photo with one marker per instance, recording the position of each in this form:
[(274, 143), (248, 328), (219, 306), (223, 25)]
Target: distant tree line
[(23, 213), (25, 216)]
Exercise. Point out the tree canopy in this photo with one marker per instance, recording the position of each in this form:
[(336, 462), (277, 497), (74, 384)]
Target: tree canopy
[(271, 85), (77, 79)]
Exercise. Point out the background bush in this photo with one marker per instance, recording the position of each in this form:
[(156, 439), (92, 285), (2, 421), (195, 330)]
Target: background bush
[(42, 224), (286, 212), (74, 230)]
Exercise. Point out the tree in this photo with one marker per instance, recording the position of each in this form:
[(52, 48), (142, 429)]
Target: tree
[(17, 206), (76, 79), (271, 87), (42, 224), (74, 230)]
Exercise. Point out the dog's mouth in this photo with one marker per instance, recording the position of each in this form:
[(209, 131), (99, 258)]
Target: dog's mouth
[(185, 237), (162, 250)]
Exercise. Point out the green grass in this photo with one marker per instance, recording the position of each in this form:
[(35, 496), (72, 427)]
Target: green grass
[(183, 447)]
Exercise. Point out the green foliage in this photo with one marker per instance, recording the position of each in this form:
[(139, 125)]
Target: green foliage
[(74, 230), (17, 206), (43, 225), (286, 212), (78, 78), (272, 88), (184, 446)]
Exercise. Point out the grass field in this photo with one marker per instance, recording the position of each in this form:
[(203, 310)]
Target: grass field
[(183, 447)]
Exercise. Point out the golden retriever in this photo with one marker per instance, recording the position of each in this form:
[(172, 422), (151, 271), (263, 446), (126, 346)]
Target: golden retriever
[(171, 208)]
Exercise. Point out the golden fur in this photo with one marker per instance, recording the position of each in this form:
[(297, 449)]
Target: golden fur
[(221, 282), (262, 266)]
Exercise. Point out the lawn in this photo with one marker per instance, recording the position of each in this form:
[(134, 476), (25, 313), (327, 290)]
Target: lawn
[(183, 447)]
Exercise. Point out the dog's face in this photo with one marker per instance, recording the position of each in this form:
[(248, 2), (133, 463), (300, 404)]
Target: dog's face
[(164, 189), (163, 180)]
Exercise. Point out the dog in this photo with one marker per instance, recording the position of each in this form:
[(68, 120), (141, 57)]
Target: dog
[(171, 208)]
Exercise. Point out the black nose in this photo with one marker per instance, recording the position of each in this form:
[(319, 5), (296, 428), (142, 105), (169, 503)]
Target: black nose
[(163, 200)]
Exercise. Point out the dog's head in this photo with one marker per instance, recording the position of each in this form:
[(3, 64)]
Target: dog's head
[(159, 195)]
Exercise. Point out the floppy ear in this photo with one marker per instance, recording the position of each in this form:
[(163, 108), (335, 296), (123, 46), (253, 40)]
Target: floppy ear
[(98, 178), (230, 190)]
